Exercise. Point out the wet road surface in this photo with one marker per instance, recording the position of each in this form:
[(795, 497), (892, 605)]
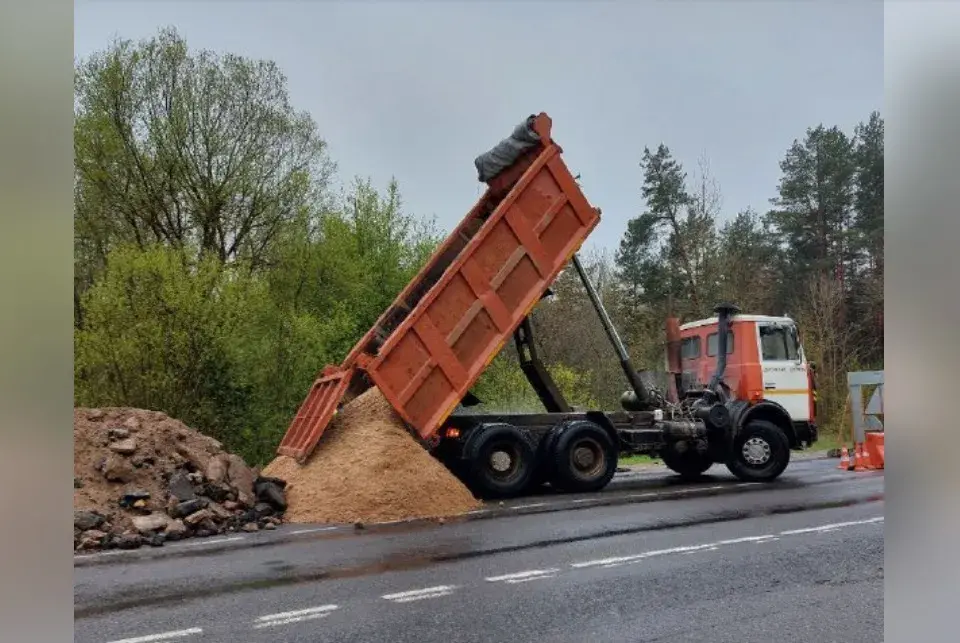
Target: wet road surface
[(797, 560)]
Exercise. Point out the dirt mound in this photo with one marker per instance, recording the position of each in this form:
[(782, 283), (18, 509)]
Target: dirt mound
[(144, 477), (368, 468)]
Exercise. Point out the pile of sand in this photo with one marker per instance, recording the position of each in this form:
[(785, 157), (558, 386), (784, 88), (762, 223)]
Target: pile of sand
[(368, 468)]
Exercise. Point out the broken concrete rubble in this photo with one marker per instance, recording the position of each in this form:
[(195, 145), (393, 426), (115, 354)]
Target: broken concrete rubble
[(270, 492), (87, 520), (186, 508), (142, 478), (180, 486), (150, 523), (92, 539), (216, 471), (127, 446), (197, 517), (116, 469), (176, 529)]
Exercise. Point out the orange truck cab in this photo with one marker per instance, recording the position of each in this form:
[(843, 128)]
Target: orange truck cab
[(767, 374)]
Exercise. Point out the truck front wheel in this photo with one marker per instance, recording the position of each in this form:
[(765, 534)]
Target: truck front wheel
[(761, 452)]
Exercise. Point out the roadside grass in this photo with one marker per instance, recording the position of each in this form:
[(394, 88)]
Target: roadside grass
[(826, 442), (635, 460)]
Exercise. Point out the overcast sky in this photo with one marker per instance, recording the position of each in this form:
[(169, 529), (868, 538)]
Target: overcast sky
[(416, 90)]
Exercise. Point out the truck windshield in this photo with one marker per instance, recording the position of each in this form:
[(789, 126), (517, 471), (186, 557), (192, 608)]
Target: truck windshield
[(778, 343)]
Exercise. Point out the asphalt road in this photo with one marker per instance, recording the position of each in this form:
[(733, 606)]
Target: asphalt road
[(797, 560)]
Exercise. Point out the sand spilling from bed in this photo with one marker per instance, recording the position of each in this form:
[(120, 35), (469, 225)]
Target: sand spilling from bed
[(368, 468)]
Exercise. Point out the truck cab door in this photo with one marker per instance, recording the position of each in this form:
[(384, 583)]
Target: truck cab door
[(784, 368)]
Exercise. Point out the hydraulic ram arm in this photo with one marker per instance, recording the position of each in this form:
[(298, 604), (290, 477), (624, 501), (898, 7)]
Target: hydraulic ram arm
[(639, 389)]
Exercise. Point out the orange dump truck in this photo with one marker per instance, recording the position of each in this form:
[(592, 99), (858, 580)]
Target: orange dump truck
[(430, 346)]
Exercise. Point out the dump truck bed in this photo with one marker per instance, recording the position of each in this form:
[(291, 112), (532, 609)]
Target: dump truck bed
[(427, 350)]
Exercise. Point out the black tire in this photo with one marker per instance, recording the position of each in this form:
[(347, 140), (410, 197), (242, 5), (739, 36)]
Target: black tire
[(501, 462), (584, 458), (689, 465), (771, 452), (544, 469)]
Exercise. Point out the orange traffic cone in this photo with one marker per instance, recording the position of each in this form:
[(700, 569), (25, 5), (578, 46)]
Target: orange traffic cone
[(844, 459), (858, 460)]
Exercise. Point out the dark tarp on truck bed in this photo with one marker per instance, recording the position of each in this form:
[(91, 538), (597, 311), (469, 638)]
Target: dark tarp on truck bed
[(506, 151)]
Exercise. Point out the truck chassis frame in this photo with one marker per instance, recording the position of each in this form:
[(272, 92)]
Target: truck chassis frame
[(505, 454)]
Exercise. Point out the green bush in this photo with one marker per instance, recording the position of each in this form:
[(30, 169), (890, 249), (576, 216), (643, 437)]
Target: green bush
[(202, 342), (504, 388)]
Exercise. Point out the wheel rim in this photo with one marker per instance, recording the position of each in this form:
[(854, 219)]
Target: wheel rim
[(756, 451), (587, 459), (503, 462)]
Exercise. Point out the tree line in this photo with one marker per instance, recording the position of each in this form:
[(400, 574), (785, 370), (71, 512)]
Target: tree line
[(220, 263)]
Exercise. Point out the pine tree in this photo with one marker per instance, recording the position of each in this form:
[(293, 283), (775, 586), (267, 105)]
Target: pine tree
[(813, 210)]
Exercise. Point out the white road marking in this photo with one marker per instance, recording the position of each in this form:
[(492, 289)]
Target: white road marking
[(532, 578), (619, 560), (420, 594), (214, 541), (748, 539), (165, 636), (285, 615), (477, 511), (421, 597), (289, 621), (579, 500), (616, 561), (530, 506), (532, 574), (831, 527), (312, 530), (286, 618)]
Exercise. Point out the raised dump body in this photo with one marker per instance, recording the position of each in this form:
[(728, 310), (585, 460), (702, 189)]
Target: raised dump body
[(430, 346)]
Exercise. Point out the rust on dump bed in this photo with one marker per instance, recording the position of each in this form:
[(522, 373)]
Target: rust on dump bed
[(430, 346)]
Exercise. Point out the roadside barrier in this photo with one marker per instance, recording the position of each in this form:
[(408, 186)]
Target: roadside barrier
[(868, 427)]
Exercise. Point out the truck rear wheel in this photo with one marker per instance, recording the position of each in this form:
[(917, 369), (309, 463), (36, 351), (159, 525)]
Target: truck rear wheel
[(689, 464), (501, 462), (761, 452), (543, 473), (584, 458)]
